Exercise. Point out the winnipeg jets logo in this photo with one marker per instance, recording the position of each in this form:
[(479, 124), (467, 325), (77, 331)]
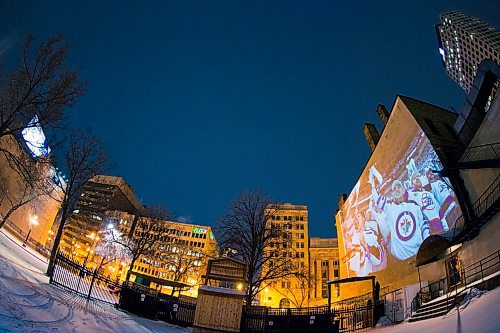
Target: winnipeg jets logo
[(405, 226), (427, 202)]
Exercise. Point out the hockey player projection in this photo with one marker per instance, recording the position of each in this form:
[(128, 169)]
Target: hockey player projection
[(398, 201)]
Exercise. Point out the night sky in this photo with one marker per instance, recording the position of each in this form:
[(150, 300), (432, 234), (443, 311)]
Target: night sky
[(197, 101)]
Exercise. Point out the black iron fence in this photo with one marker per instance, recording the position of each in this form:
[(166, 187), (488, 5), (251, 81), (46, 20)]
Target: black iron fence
[(83, 281), (147, 302), (393, 305), (354, 319), (274, 320)]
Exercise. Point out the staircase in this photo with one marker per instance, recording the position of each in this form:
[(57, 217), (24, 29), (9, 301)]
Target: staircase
[(433, 309)]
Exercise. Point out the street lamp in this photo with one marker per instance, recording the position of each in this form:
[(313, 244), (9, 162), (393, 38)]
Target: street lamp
[(90, 249), (32, 221)]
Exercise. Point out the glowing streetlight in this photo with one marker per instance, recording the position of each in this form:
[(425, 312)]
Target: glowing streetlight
[(32, 221)]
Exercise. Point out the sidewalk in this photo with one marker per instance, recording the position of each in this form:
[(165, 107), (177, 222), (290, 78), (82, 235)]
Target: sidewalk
[(28, 303), (27, 248)]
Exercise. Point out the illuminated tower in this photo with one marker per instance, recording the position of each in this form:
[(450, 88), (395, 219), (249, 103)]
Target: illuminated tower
[(290, 292), (100, 194), (464, 42)]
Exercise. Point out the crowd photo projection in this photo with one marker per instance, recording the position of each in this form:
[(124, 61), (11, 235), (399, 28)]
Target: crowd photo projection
[(398, 201)]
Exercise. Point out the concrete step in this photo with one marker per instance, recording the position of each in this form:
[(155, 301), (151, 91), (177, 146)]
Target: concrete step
[(429, 315), (433, 309), (426, 311), (436, 305)]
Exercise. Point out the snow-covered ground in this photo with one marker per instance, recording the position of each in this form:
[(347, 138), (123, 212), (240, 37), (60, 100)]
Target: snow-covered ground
[(479, 313), (28, 303)]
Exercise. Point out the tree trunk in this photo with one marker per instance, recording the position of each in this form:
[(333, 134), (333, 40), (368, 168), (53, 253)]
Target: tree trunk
[(10, 212), (57, 241), (130, 269), (96, 271)]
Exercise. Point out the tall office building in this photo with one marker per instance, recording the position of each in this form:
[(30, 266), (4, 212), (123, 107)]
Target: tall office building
[(100, 195), (289, 292), (183, 253), (464, 42)]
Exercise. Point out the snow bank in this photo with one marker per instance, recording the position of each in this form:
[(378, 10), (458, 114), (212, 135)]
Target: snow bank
[(28, 303)]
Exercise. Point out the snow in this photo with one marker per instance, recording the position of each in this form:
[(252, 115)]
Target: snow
[(219, 290), (477, 313), (28, 303), (82, 285), (461, 289)]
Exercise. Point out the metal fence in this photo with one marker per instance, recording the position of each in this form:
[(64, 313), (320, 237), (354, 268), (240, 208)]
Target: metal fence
[(83, 281), (354, 319), (277, 320), (394, 307), (148, 303)]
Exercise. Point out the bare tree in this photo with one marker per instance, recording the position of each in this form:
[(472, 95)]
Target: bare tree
[(27, 181), (40, 86), (182, 260), (297, 288), (259, 243), (83, 160), (148, 232), (33, 95)]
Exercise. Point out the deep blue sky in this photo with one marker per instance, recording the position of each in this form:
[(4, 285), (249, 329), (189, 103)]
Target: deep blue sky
[(197, 101)]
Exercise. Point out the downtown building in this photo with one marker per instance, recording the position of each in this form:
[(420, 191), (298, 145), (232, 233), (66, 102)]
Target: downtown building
[(464, 42), (181, 252), (315, 259), (324, 266), (182, 256), (28, 216), (423, 217), (103, 198)]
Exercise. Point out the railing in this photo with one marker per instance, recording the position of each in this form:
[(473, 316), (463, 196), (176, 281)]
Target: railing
[(481, 153), (352, 320), (359, 300), (488, 198), (480, 208), (394, 309), (467, 276), (83, 281)]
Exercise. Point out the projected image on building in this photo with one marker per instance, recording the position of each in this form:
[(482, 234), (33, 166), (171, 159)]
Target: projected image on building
[(398, 201)]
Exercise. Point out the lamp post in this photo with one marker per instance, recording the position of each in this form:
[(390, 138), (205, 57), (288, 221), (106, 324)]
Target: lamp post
[(33, 221), (90, 249)]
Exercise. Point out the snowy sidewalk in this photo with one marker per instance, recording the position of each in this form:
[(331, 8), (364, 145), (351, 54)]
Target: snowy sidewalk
[(28, 303), (478, 316)]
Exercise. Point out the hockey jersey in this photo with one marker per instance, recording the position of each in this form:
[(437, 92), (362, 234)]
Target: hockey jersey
[(444, 197), (407, 228)]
